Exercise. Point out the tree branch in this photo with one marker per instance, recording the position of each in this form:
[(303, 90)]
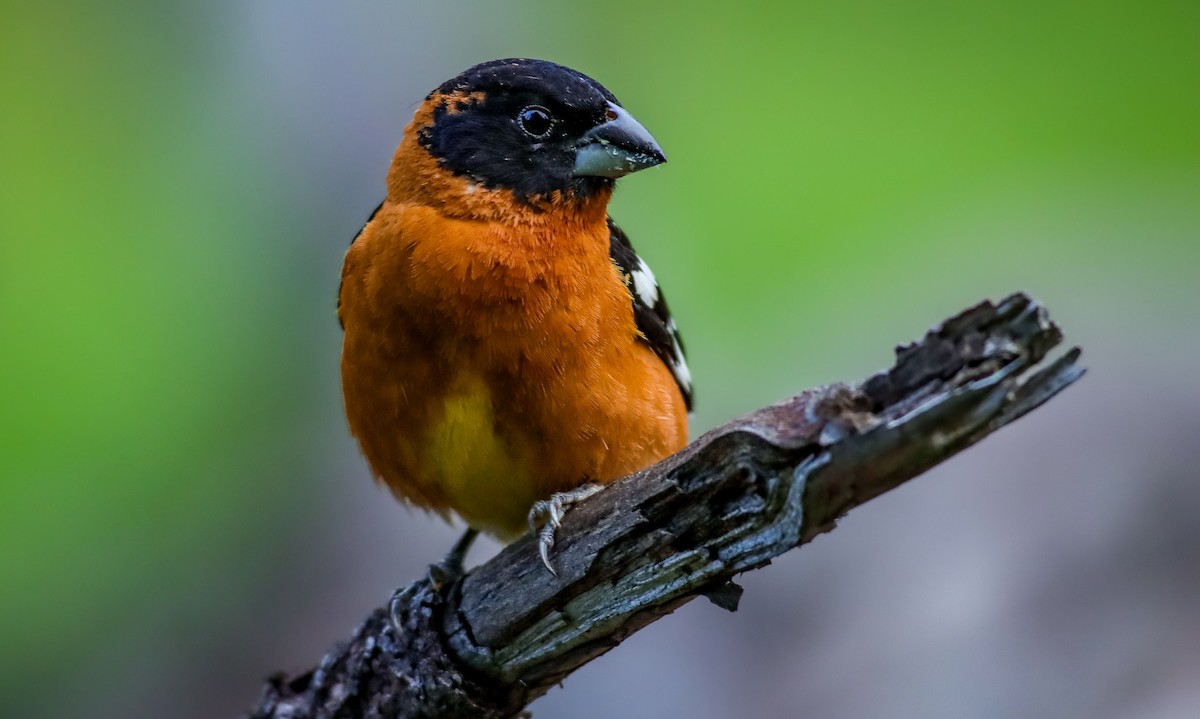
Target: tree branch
[(729, 502)]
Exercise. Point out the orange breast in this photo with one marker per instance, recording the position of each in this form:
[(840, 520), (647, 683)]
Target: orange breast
[(489, 364)]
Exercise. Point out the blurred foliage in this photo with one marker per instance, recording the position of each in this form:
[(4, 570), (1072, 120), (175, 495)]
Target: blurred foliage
[(841, 174)]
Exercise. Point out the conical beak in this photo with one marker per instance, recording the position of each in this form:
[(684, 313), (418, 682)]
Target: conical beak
[(617, 147)]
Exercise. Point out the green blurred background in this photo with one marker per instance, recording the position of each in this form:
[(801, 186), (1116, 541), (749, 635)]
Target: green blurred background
[(183, 512)]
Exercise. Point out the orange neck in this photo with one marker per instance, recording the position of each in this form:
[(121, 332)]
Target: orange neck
[(416, 177)]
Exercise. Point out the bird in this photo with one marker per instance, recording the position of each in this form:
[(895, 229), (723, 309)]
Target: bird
[(506, 353)]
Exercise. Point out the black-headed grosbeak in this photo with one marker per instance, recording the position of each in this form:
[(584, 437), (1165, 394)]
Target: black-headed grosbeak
[(505, 348)]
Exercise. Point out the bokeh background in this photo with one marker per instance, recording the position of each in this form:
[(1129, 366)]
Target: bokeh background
[(182, 511)]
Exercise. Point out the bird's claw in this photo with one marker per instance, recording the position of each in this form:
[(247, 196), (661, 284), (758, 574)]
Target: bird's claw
[(545, 543), (553, 510), (398, 605)]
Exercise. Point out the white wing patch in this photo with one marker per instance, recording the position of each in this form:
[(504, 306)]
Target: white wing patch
[(645, 284), (650, 313), (677, 363), (646, 287), (680, 369)]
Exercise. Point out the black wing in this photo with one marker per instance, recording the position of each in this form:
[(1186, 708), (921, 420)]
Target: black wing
[(650, 311)]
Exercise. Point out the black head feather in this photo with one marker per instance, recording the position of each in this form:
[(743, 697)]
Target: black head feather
[(477, 132)]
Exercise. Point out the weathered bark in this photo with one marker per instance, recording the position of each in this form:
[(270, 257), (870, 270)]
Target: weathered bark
[(732, 500)]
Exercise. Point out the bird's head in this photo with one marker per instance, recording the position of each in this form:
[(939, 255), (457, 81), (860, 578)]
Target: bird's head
[(537, 129)]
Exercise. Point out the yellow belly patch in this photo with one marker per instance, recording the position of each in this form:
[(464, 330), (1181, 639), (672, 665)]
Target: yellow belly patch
[(476, 467)]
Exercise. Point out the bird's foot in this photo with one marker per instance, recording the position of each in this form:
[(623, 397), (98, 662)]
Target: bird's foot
[(552, 510), (451, 568), (441, 576)]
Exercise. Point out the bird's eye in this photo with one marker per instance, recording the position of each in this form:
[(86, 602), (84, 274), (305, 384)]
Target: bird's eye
[(536, 121)]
